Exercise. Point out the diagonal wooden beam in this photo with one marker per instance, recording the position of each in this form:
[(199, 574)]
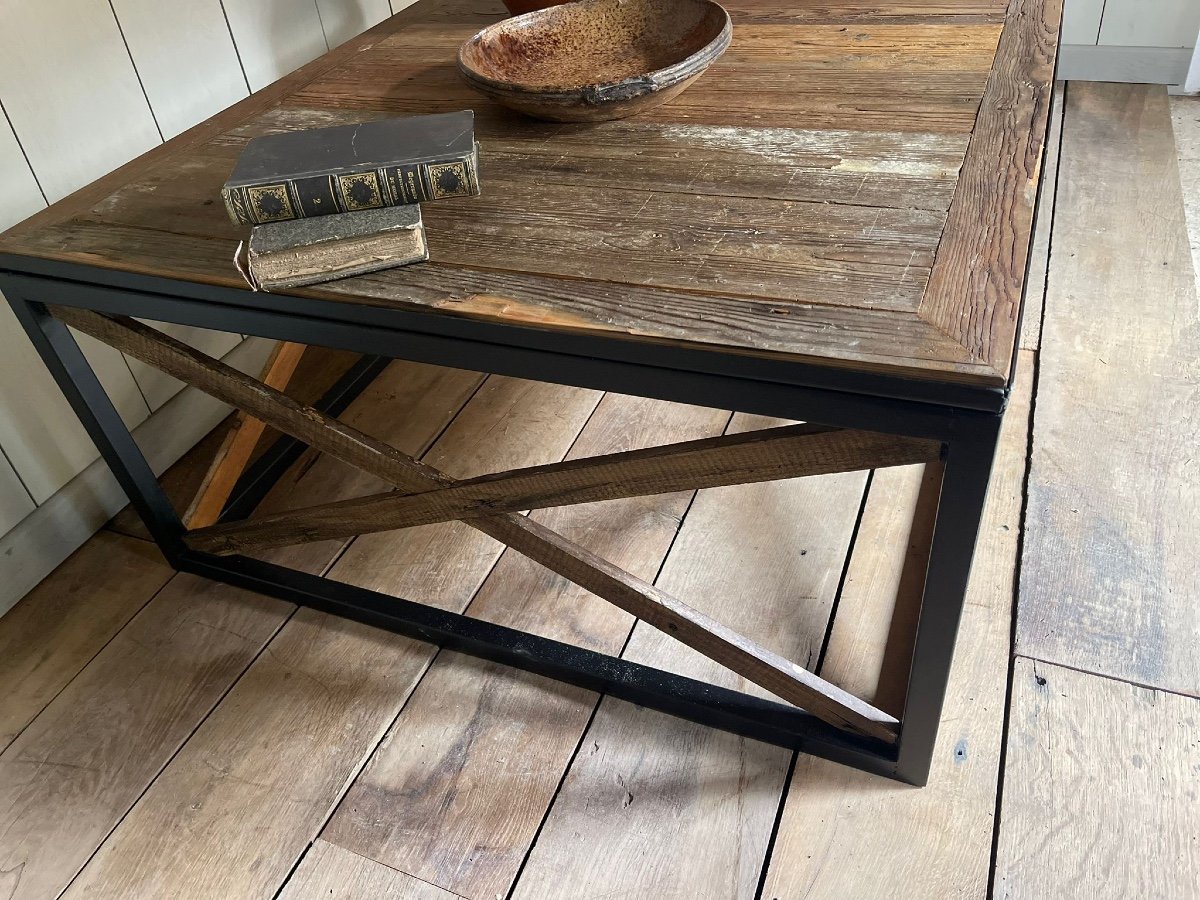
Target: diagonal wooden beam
[(755, 663), (767, 455)]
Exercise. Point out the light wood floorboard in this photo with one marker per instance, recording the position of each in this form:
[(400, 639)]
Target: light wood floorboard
[(1101, 789), (1109, 575)]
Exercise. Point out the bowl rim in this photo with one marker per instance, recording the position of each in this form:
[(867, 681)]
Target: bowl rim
[(600, 91)]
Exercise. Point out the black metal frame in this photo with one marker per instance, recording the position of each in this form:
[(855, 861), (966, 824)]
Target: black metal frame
[(966, 419)]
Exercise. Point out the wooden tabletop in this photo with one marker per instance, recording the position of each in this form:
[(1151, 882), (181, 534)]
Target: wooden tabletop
[(851, 185)]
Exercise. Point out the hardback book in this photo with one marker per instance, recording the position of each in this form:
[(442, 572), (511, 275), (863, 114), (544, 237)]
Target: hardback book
[(351, 168), (308, 251)]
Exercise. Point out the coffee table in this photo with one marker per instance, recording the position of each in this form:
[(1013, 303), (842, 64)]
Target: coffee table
[(833, 226)]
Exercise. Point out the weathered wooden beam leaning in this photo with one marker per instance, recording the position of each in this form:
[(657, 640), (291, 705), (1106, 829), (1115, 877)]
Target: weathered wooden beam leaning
[(753, 662), (768, 455)]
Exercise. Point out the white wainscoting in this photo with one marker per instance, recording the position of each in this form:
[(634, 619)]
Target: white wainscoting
[(1144, 41), (85, 86)]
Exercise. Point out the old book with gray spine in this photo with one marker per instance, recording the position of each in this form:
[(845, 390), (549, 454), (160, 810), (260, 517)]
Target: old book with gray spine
[(308, 251)]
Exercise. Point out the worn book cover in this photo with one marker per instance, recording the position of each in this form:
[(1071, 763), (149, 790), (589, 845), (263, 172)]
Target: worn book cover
[(350, 168), (309, 251)]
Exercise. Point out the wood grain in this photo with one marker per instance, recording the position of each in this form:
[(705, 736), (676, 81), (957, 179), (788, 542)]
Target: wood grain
[(765, 668), (232, 457), (845, 833), (788, 452), (71, 776), (715, 225), (846, 338), (328, 872), (51, 634), (1109, 579), (1039, 252), (469, 719), (279, 751), (1098, 803), (320, 368), (869, 257), (74, 772), (976, 286), (649, 789)]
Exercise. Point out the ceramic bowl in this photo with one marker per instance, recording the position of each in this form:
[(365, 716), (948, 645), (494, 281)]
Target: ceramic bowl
[(596, 59)]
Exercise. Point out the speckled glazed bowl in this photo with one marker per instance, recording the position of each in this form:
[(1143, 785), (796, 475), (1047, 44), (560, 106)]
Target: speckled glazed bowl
[(596, 59)]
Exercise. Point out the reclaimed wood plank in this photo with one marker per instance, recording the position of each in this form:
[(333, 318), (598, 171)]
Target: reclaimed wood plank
[(328, 872), (922, 76), (845, 833), (975, 288), (52, 633), (749, 246), (866, 168), (1101, 795), (841, 12), (74, 772), (1108, 577), (243, 436), (72, 775), (279, 751), (637, 769), (468, 720), (852, 338), (792, 451)]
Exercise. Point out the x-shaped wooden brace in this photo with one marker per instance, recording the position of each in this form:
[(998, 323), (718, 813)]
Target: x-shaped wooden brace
[(492, 503)]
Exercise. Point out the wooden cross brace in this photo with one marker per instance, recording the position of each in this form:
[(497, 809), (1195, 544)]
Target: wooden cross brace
[(491, 503)]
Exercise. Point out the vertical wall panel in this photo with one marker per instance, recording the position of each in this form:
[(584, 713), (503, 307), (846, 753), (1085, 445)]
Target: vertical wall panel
[(15, 502), (1081, 21), (344, 19), (71, 92), (185, 56), (273, 37), (159, 387), (1150, 23), (38, 430)]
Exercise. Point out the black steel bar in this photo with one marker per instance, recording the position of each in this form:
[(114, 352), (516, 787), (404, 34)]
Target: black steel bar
[(79, 384), (261, 475), (676, 695), (738, 392), (968, 467), (225, 302), (970, 434)]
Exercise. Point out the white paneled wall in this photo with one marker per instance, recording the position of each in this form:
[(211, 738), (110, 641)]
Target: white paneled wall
[(85, 86), (1146, 41)]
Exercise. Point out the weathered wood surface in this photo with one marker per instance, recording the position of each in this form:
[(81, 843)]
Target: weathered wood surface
[(47, 638), (976, 285), (1101, 789), (319, 370), (1109, 577), (328, 872), (297, 727), (236, 450), (757, 244), (347, 444), (443, 798), (791, 451), (1039, 253), (468, 720), (844, 833), (649, 789), (73, 774)]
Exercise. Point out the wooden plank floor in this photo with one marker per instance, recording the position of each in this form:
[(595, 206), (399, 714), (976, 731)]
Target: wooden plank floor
[(164, 737)]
